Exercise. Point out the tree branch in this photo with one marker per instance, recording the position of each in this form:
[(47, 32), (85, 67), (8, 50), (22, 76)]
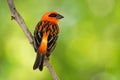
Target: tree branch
[(54, 75), (16, 16)]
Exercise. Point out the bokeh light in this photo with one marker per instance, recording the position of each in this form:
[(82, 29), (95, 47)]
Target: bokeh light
[(88, 46)]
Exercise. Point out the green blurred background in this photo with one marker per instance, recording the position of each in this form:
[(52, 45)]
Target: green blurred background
[(88, 47)]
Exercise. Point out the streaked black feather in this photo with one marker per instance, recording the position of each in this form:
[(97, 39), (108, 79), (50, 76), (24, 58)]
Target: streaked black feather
[(44, 26), (37, 61), (42, 62)]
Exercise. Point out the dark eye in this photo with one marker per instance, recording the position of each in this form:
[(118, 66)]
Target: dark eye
[(53, 15)]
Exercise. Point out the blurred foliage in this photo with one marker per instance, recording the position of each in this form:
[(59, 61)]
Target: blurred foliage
[(88, 47)]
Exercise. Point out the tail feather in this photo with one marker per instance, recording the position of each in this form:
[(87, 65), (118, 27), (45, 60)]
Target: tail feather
[(37, 61), (41, 64)]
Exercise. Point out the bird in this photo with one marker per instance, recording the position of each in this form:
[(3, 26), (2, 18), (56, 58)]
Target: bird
[(45, 37)]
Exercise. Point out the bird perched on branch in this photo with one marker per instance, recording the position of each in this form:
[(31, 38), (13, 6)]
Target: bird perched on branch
[(45, 37)]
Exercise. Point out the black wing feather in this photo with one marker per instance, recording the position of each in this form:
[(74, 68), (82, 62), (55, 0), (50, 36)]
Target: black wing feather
[(44, 26)]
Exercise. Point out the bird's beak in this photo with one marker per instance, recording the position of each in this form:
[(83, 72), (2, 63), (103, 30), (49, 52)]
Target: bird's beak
[(59, 16)]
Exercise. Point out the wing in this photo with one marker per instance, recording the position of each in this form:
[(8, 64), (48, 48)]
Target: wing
[(51, 44), (37, 39), (52, 37), (37, 36)]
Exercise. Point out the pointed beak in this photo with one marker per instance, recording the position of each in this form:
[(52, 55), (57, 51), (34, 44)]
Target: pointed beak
[(59, 16)]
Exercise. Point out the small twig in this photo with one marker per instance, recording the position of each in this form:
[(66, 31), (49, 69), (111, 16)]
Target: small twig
[(16, 16), (46, 63)]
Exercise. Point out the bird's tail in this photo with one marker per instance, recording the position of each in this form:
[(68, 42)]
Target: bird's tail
[(39, 62)]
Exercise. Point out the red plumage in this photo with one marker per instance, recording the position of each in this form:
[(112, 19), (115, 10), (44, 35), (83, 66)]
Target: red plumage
[(45, 37)]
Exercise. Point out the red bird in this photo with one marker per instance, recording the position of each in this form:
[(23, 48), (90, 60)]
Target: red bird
[(45, 37)]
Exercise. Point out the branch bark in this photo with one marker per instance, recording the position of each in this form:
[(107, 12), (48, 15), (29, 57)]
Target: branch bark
[(17, 17)]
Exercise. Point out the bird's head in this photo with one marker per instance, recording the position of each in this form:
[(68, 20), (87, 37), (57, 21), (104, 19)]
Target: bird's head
[(52, 17)]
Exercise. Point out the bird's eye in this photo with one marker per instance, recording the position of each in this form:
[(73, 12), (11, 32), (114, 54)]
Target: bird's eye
[(53, 15)]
